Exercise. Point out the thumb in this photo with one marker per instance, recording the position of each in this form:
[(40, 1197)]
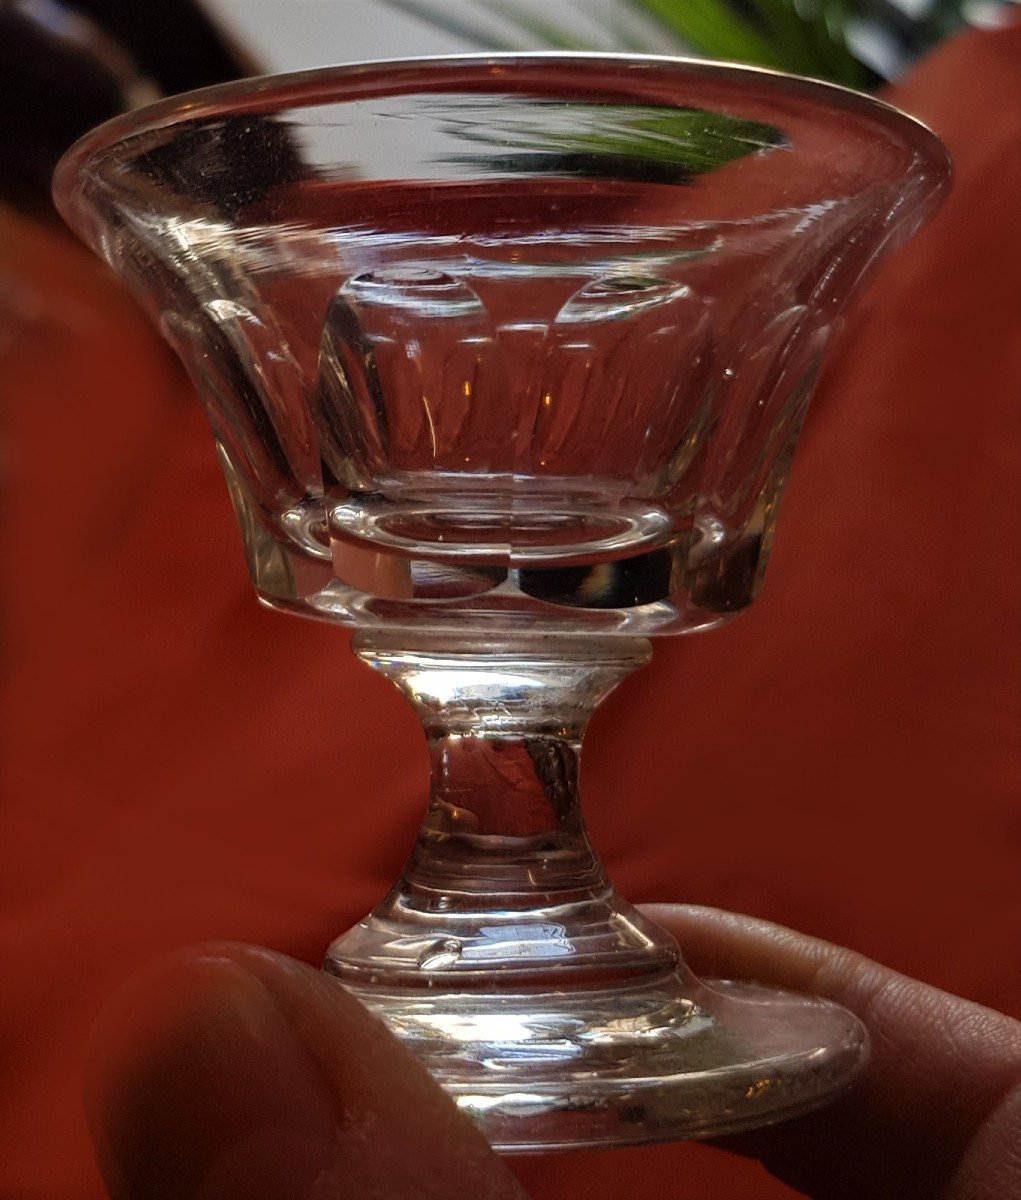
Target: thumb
[(229, 1072)]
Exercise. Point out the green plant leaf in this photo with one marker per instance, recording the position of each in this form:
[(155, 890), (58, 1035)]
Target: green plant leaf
[(664, 145), (804, 37), (712, 28)]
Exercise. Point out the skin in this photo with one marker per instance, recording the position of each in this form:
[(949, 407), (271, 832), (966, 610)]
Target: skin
[(229, 1072), (938, 1114)]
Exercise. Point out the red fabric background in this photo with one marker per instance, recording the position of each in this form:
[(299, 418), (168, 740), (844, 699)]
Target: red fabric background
[(180, 764)]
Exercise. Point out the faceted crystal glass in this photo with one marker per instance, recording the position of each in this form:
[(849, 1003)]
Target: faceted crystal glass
[(505, 360)]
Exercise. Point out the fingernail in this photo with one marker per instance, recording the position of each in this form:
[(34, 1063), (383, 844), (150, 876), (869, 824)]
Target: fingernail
[(206, 1092)]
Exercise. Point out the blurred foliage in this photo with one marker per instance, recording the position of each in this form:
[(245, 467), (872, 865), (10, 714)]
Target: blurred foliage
[(636, 142), (857, 43)]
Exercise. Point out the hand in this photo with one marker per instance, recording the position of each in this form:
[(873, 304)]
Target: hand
[(229, 1072), (938, 1113)]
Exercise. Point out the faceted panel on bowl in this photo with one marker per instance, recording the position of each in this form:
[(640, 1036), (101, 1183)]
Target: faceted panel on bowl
[(510, 339)]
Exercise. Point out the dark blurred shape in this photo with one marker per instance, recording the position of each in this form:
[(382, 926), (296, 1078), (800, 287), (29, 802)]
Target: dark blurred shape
[(51, 91), (173, 41), (65, 69), (255, 152)]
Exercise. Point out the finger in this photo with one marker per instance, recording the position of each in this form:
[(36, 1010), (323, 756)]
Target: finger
[(228, 1072), (938, 1113)]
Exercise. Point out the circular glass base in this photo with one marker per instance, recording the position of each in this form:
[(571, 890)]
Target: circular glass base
[(655, 1060)]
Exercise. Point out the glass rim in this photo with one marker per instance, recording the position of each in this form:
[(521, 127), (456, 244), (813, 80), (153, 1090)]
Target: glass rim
[(261, 90)]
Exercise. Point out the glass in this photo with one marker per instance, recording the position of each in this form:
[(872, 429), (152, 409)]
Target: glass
[(505, 360)]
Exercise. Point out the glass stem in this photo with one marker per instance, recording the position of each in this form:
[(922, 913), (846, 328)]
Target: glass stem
[(502, 877)]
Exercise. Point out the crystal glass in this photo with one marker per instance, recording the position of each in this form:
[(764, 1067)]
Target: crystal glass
[(505, 360)]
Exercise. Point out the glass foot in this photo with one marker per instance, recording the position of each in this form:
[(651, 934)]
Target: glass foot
[(656, 1060), (554, 1012)]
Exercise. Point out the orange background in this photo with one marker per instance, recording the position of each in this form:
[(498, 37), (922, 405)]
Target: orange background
[(181, 764)]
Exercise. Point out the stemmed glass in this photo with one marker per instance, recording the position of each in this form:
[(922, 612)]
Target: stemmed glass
[(505, 360)]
